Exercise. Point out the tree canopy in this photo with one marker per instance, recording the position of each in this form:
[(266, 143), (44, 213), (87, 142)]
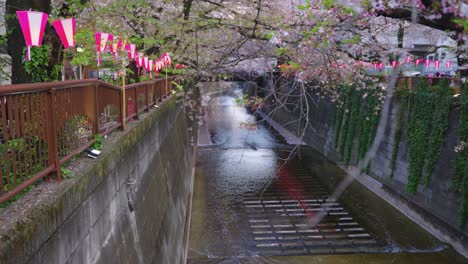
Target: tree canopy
[(308, 37)]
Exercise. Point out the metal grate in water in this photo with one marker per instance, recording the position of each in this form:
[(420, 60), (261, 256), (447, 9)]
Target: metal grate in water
[(280, 224)]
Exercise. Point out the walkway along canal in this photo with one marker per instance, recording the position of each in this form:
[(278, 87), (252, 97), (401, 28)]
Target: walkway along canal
[(253, 203)]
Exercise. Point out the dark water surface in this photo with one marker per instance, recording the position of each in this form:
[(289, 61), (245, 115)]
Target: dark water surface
[(250, 206)]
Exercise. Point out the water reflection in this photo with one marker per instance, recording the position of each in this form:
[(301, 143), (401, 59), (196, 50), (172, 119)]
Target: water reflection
[(224, 125)]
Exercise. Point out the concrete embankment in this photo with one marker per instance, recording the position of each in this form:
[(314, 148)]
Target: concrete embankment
[(128, 206)]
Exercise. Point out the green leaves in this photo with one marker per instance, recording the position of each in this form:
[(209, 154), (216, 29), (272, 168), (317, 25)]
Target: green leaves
[(462, 22), (305, 6), (356, 118), (98, 142), (38, 66), (354, 40), (281, 52), (328, 4)]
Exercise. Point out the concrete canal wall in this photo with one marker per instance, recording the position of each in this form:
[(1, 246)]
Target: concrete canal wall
[(128, 206), (436, 206)]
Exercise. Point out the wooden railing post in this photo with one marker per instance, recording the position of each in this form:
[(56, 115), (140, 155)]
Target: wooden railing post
[(135, 98), (52, 134), (96, 109), (147, 97)]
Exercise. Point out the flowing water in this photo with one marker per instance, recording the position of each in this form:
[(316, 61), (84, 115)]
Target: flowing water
[(253, 204)]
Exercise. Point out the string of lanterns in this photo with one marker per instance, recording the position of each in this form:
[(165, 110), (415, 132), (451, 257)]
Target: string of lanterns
[(33, 25), (394, 63)]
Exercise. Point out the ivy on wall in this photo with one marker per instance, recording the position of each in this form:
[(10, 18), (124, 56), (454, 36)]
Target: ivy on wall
[(356, 120), (442, 97), (460, 164), (428, 108), (428, 118), (424, 113), (402, 95)]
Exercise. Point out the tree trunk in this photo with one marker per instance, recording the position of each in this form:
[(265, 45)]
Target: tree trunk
[(16, 42)]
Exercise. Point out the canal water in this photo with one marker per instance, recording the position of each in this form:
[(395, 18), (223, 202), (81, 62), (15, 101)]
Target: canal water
[(254, 202)]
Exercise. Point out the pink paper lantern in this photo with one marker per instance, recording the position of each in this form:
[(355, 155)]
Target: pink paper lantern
[(161, 64), (66, 29), (437, 63), (408, 59), (427, 63), (101, 42), (115, 46), (150, 68), (131, 48), (166, 59), (381, 66), (448, 64), (33, 25), (394, 63), (145, 63)]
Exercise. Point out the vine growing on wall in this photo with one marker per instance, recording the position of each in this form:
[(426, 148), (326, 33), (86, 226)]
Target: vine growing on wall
[(355, 105), (356, 120), (440, 121), (427, 125), (428, 108), (370, 118), (418, 131), (402, 96), (460, 164)]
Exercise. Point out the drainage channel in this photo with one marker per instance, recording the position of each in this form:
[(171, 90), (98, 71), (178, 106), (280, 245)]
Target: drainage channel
[(280, 223)]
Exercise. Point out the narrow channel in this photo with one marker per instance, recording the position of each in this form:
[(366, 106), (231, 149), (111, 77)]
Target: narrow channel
[(253, 203)]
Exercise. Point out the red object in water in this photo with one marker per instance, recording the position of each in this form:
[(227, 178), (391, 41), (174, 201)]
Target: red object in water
[(290, 185)]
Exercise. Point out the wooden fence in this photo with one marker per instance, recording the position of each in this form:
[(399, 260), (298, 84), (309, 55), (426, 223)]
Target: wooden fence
[(43, 125)]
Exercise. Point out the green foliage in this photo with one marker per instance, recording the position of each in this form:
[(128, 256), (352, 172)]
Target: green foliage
[(398, 130), (269, 35), (355, 108), (369, 121), (418, 131), (85, 54), (38, 66), (179, 87), (427, 125), (171, 72), (328, 4), (253, 102), (460, 164), (462, 22), (356, 120), (305, 6), (354, 40), (281, 52), (366, 4), (98, 142), (440, 122), (66, 173), (24, 157)]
